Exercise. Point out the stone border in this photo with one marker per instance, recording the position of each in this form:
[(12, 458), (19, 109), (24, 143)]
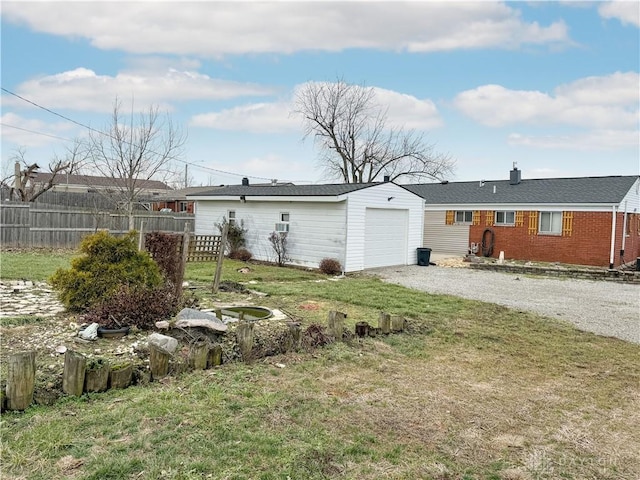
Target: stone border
[(551, 271)]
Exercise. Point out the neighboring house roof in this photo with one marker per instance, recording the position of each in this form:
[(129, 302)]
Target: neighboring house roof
[(182, 193), (286, 190), (581, 190), (96, 181)]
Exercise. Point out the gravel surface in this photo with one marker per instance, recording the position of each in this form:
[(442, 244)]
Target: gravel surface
[(602, 307)]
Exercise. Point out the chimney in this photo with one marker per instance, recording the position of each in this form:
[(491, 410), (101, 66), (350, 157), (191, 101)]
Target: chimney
[(245, 182), (274, 182), (514, 176), (387, 178)]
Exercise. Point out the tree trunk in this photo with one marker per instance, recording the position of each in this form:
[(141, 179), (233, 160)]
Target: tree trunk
[(335, 324), (215, 356), (121, 377), (75, 366), (198, 355), (384, 323), (96, 378), (21, 378), (244, 337), (158, 362)]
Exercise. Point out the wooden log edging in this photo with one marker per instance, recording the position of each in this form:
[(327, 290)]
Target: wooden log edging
[(21, 380)]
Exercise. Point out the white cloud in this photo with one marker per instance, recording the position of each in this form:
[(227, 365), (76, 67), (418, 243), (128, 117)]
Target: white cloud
[(404, 111), (598, 140), (84, 90), (212, 29), (609, 102), (256, 118), (628, 12), (29, 132)]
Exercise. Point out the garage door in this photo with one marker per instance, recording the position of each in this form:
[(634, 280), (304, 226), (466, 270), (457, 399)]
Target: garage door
[(385, 237)]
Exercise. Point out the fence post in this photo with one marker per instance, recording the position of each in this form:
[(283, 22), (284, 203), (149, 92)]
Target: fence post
[(222, 244), (184, 258)]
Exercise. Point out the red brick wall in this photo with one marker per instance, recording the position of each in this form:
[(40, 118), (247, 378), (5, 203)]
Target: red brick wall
[(588, 244)]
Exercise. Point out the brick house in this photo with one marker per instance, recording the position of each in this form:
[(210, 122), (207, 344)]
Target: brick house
[(583, 220)]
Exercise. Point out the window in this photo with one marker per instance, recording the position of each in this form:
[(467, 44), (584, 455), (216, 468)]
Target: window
[(232, 217), (283, 224), (184, 206), (464, 216), (550, 223), (505, 218)]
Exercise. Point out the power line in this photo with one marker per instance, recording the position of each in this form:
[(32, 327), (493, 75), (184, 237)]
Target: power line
[(36, 133), (108, 135)]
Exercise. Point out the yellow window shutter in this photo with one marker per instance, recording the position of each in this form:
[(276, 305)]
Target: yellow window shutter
[(449, 217), (567, 224), (476, 218), (533, 223), (519, 218), (488, 219)]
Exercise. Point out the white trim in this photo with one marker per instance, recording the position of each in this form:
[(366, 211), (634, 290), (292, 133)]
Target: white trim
[(613, 237), (524, 207), (258, 198)]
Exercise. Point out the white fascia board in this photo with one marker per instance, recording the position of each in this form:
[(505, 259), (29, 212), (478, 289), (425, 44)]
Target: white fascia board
[(293, 198), (547, 207)]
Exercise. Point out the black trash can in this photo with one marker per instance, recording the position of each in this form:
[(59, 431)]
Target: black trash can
[(424, 256)]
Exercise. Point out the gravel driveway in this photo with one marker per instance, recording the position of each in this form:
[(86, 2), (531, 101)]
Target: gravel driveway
[(602, 307)]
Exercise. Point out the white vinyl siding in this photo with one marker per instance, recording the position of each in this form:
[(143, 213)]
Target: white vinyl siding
[(316, 229), (442, 238)]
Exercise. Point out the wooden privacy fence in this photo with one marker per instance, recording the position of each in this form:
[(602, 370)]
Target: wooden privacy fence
[(39, 225)]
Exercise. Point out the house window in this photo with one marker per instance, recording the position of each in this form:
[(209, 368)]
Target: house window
[(550, 223), (505, 218), (184, 206), (464, 216), (232, 217), (283, 225)]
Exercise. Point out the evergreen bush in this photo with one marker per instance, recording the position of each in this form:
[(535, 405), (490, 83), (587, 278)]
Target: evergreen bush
[(107, 264)]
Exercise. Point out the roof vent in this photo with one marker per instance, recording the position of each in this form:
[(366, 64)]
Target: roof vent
[(245, 182), (387, 178), (274, 182), (515, 176), (444, 182)]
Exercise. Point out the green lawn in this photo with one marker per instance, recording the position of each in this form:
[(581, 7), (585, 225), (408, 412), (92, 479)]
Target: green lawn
[(471, 391)]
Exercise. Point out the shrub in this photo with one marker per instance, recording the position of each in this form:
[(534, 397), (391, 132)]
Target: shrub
[(241, 254), (330, 266), (107, 264), (278, 241), (141, 307), (164, 249), (235, 235)]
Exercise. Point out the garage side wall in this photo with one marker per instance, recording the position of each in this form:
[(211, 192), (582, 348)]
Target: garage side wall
[(383, 196), (316, 230)]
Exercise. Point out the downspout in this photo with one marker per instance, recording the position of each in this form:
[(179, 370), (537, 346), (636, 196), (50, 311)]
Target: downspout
[(624, 233), (613, 237)]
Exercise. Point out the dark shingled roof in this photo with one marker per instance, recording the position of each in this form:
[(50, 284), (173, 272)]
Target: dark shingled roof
[(331, 190), (96, 181), (582, 190)]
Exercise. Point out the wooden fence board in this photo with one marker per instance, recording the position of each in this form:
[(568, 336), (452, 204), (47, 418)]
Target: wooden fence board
[(54, 226)]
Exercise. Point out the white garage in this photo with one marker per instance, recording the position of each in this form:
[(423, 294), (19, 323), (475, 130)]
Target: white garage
[(361, 225)]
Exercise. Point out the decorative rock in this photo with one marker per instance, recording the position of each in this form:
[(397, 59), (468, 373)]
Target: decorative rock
[(89, 333), (190, 317), (163, 342)]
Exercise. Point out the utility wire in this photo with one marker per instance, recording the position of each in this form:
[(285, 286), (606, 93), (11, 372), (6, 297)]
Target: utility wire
[(107, 135)]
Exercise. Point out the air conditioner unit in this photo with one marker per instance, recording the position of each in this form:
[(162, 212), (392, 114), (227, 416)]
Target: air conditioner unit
[(282, 227)]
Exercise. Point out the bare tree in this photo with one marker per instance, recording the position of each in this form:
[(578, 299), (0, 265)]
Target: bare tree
[(358, 144), (134, 150), (26, 185)]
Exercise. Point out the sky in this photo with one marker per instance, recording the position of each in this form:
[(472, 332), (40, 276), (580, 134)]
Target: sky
[(551, 87)]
